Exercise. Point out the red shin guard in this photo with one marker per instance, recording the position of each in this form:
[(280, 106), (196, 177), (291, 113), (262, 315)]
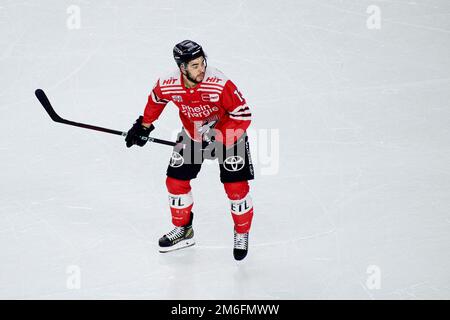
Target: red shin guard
[(180, 200), (241, 205)]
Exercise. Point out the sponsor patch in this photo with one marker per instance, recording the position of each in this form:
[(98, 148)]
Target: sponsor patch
[(177, 98), (176, 160), (234, 163), (210, 97)]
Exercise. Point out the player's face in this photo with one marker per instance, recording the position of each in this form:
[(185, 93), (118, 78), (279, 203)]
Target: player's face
[(196, 69)]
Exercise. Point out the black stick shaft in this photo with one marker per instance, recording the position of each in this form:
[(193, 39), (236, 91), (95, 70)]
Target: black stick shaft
[(43, 99)]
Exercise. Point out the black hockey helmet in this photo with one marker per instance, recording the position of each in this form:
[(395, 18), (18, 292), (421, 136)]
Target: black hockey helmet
[(186, 51)]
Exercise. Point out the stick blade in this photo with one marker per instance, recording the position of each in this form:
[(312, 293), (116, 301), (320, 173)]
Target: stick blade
[(43, 99)]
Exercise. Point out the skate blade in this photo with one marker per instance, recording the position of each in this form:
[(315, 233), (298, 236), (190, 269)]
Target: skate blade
[(180, 245)]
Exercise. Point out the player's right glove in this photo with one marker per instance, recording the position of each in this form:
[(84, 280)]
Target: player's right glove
[(138, 133)]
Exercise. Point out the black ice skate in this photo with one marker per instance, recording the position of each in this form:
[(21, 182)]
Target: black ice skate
[(178, 238), (240, 245)]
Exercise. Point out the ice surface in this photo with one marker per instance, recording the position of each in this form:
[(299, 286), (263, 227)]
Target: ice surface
[(357, 209)]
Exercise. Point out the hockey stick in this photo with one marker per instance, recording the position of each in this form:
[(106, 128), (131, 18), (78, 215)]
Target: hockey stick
[(42, 97)]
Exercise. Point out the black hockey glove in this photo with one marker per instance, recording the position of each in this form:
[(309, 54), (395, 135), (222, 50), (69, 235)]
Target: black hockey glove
[(138, 133)]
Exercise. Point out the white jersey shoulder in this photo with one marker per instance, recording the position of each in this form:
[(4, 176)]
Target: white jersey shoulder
[(171, 80), (214, 76)]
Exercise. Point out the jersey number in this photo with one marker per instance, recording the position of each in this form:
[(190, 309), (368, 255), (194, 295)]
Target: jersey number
[(236, 92)]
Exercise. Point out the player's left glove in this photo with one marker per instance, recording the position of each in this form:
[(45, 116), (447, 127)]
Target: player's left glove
[(138, 133)]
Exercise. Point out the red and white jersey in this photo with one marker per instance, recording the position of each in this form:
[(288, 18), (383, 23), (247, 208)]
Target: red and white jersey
[(216, 98)]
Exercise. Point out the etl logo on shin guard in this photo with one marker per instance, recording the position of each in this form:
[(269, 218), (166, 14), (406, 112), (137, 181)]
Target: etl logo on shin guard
[(241, 206)]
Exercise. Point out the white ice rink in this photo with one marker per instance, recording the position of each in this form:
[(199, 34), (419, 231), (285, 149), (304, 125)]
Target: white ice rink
[(350, 140)]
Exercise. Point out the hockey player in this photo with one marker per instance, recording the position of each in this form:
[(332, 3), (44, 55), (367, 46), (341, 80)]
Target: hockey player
[(215, 117)]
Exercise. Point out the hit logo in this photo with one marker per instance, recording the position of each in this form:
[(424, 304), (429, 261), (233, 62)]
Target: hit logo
[(213, 79), (172, 80)]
